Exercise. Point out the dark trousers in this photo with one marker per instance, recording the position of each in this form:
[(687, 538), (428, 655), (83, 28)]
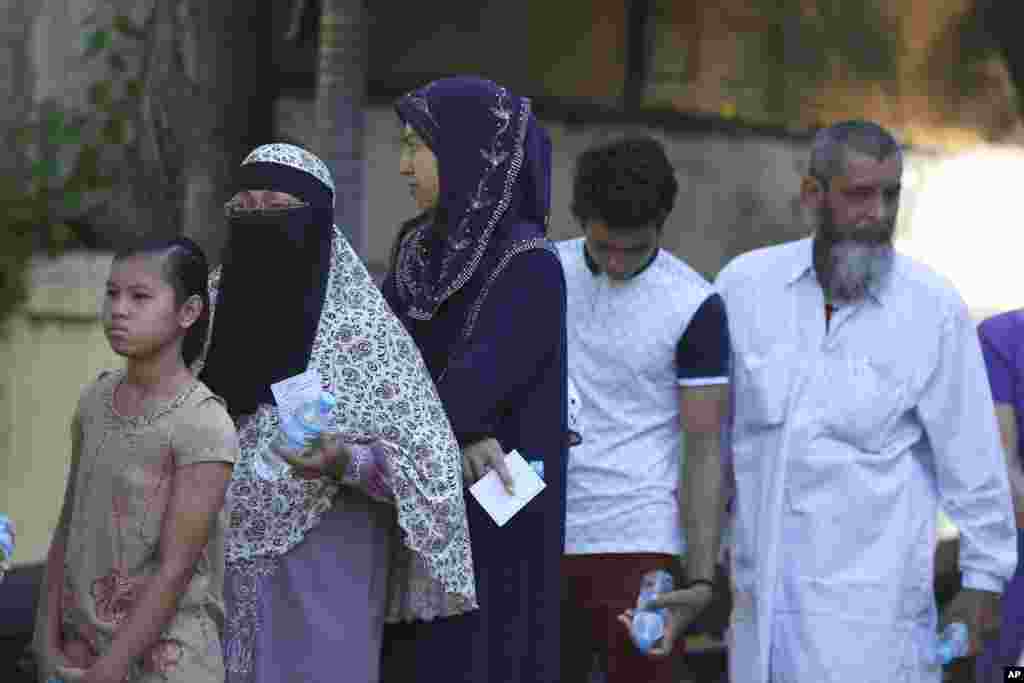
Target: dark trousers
[(595, 590)]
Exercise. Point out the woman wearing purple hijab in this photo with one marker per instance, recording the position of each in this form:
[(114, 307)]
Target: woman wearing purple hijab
[(1002, 344), (481, 290)]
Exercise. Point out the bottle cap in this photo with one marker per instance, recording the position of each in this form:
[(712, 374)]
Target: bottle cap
[(643, 643)]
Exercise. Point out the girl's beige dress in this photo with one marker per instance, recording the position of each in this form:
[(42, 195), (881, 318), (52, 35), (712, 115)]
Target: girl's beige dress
[(118, 491)]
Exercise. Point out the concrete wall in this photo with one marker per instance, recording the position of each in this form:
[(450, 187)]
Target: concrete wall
[(52, 350), (736, 193)]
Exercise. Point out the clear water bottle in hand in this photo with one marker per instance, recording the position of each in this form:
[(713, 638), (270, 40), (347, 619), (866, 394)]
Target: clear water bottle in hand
[(6, 544), (953, 644), (649, 623), (296, 434)]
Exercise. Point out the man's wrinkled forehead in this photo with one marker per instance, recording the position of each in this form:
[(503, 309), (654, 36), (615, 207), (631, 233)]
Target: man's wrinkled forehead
[(864, 171)]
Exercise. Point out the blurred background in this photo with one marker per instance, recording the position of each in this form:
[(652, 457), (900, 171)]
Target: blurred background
[(124, 119)]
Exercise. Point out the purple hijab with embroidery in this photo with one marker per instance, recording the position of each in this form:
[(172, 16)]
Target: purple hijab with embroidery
[(494, 170)]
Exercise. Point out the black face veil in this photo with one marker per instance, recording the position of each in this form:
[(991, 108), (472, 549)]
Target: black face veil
[(273, 281)]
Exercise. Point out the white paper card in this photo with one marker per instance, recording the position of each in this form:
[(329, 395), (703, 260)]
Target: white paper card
[(292, 393), (491, 493)]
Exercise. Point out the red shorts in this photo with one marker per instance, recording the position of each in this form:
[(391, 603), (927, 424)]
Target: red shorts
[(595, 590)]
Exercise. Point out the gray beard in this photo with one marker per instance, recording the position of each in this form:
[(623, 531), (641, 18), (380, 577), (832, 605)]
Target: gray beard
[(855, 268), (851, 261)]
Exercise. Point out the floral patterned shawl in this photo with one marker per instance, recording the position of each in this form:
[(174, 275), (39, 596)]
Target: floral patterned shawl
[(367, 360)]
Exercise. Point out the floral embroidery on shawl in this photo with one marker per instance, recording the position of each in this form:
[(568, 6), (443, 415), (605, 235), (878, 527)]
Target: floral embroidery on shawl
[(385, 392), (368, 469), (478, 212), (243, 587)]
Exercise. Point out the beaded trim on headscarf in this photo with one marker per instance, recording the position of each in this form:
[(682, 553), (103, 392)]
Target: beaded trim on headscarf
[(296, 157), (457, 242), (419, 101), (478, 303), (474, 310)]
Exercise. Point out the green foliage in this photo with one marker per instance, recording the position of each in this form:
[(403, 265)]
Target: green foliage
[(96, 42), (71, 159), (128, 28)]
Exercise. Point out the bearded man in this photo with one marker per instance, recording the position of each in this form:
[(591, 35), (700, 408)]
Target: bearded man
[(860, 407)]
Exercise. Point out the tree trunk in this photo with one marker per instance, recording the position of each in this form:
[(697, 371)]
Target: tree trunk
[(204, 68), (15, 78), (1001, 20), (340, 118), (227, 64)]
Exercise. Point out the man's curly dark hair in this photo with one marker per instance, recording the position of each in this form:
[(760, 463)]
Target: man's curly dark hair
[(627, 184)]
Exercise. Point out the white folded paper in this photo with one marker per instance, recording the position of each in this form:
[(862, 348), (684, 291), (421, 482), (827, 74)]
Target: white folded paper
[(292, 393), (499, 503)]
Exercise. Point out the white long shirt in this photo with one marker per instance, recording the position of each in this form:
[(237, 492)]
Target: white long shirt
[(844, 444), (621, 491)]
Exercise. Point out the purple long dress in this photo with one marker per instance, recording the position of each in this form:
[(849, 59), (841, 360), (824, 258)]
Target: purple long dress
[(514, 637), (484, 299), (321, 611), (1002, 343)]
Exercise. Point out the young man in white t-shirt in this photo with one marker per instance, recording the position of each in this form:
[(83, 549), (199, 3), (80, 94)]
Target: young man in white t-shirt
[(648, 355)]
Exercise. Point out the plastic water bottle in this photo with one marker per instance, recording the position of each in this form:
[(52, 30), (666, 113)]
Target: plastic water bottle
[(6, 538), (649, 624), (953, 643), (296, 435), (538, 467), (6, 544)]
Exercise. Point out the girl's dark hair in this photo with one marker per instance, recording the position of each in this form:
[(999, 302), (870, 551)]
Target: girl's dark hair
[(187, 271)]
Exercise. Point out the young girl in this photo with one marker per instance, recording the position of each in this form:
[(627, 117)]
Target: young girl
[(134, 575)]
